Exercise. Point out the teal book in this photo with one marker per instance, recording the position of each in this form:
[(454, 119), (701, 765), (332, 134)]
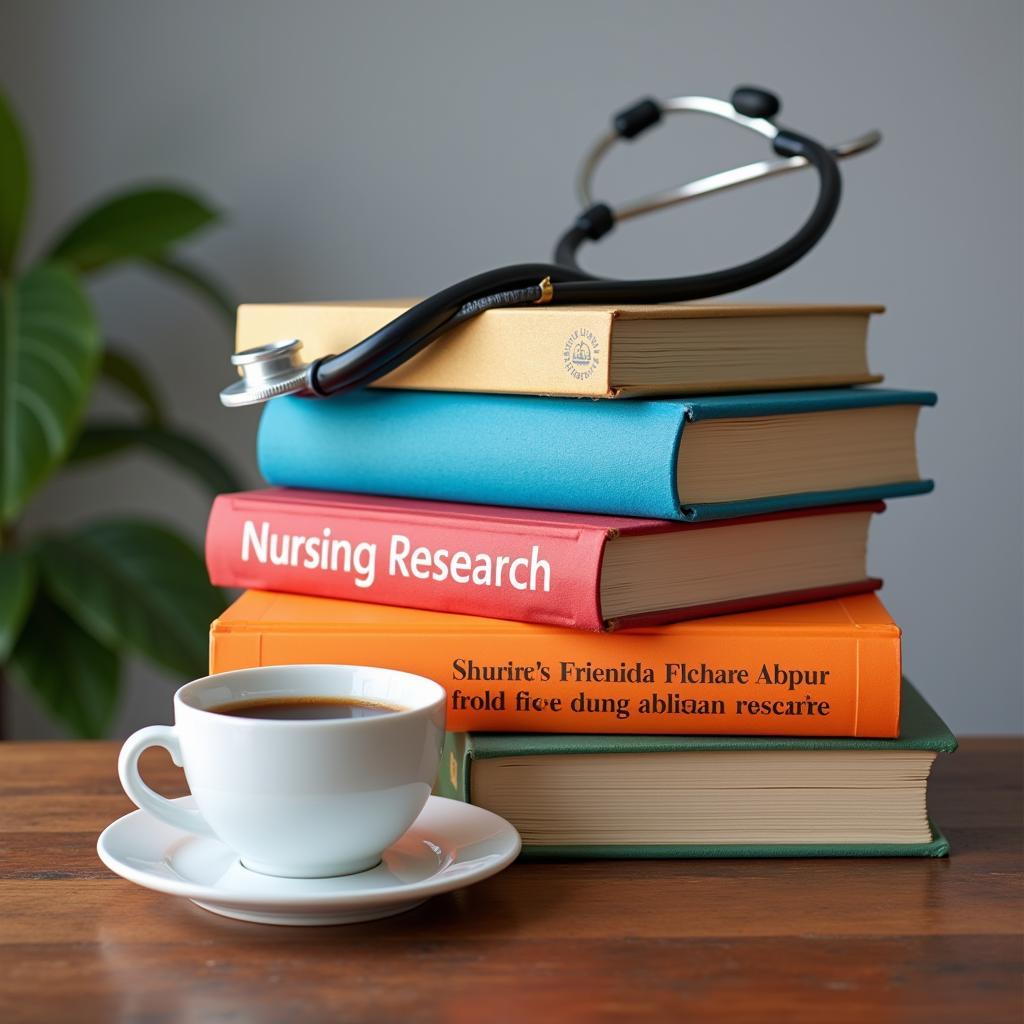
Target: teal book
[(708, 796), (689, 459)]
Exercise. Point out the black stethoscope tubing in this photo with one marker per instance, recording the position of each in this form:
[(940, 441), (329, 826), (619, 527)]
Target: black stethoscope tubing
[(519, 284)]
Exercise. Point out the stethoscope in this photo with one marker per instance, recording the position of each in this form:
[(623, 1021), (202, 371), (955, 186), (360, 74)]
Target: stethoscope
[(277, 369)]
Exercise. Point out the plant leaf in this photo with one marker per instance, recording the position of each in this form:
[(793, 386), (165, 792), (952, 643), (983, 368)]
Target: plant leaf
[(75, 677), (124, 372), (135, 585), (49, 349), (198, 280), (185, 452), (17, 588), (14, 185), (133, 225)]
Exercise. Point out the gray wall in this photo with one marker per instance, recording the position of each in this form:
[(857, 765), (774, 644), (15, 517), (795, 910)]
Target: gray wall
[(372, 149)]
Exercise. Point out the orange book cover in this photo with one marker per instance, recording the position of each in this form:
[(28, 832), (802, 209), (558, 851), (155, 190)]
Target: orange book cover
[(826, 669)]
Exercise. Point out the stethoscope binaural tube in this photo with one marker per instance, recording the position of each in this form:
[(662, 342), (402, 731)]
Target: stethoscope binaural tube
[(276, 369)]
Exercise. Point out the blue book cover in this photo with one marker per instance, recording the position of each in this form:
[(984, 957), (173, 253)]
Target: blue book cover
[(617, 458)]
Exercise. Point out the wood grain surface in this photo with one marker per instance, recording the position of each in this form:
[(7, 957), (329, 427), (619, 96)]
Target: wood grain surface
[(813, 940)]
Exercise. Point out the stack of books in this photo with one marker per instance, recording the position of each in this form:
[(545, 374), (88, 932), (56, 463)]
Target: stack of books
[(631, 544)]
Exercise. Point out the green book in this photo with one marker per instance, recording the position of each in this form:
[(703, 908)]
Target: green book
[(708, 796)]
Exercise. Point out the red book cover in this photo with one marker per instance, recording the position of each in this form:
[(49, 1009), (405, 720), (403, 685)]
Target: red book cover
[(520, 564)]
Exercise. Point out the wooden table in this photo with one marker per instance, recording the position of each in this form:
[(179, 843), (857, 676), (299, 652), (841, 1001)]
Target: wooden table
[(827, 940)]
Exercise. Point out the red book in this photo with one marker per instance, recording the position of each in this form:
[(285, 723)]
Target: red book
[(561, 568)]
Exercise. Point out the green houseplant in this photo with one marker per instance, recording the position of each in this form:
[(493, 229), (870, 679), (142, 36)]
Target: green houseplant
[(74, 604)]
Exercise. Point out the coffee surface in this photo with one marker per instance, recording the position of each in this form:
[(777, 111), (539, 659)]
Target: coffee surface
[(291, 709)]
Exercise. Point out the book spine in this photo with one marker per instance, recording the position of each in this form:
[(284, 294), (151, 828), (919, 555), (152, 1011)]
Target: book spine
[(438, 562), (550, 453), (742, 681), (453, 773)]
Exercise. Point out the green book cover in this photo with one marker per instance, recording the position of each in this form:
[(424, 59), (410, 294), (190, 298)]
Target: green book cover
[(921, 728)]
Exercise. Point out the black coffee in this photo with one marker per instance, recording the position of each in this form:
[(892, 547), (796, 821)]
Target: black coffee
[(290, 709)]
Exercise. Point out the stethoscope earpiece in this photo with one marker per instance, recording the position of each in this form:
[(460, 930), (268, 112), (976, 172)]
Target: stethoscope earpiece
[(750, 101)]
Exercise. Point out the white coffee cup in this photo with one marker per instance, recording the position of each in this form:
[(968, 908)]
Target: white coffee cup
[(298, 798)]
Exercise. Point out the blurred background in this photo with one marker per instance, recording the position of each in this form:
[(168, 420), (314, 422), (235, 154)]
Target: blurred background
[(389, 148)]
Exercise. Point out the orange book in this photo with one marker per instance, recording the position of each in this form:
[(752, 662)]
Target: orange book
[(826, 669)]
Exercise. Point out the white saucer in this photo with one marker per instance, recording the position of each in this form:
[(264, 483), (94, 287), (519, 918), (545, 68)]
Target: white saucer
[(450, 845)]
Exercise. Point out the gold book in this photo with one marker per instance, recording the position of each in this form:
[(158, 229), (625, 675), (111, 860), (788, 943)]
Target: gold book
[(596, 351)]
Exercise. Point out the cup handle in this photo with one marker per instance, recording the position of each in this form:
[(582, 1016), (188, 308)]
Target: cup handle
[(146, 799)]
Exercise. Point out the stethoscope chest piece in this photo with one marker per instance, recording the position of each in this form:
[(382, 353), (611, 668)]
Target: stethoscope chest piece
[(267, 371)]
